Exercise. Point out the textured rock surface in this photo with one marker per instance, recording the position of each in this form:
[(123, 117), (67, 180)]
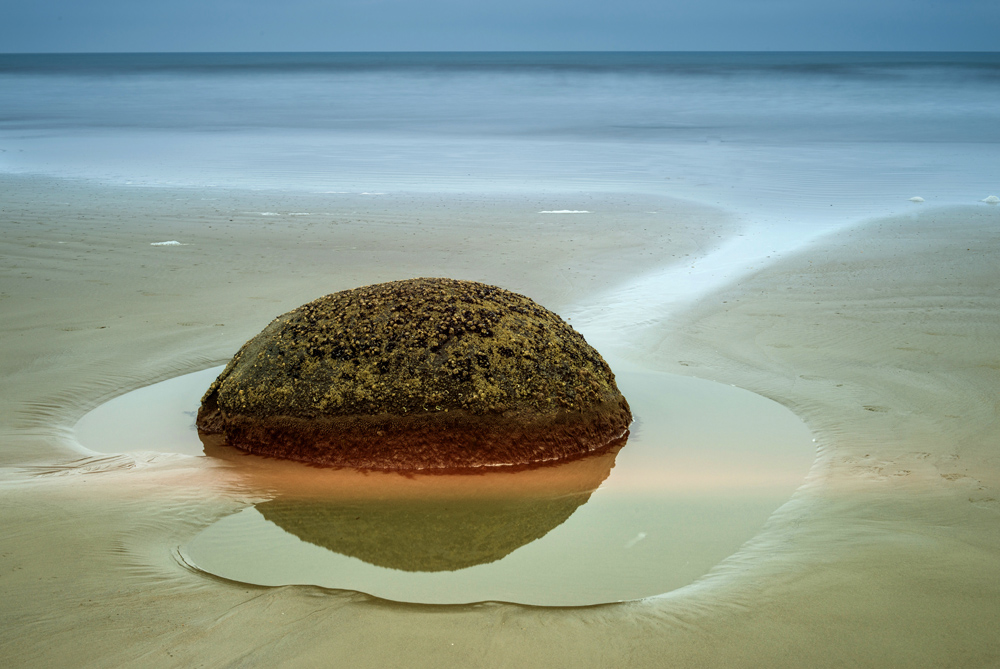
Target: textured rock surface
[(415, 374)]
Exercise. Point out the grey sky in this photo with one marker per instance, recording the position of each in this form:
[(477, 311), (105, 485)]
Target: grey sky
[(487, 25)]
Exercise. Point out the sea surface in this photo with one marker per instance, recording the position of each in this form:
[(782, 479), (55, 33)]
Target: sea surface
[(772, 134)]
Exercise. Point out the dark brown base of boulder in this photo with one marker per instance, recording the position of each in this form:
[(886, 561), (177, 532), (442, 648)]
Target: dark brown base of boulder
[(451, 440)]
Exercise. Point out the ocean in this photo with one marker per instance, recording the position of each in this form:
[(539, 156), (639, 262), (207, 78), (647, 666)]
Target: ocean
[(765, 133)]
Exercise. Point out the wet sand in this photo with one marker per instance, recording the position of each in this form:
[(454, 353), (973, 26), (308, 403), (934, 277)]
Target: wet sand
[(883, 338)]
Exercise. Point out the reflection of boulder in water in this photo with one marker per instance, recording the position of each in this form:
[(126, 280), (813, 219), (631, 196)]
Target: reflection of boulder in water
[(434, 522), (422, 535)]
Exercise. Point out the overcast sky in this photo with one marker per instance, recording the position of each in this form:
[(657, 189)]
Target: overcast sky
[(497, 25)]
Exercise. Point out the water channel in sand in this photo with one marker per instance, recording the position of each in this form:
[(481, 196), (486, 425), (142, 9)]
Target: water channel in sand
[(703, 468)]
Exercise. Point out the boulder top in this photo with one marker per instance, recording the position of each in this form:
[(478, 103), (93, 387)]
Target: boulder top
[(419, 345)]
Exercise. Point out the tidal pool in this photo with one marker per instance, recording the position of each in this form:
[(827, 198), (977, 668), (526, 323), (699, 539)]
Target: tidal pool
[(703, 468)]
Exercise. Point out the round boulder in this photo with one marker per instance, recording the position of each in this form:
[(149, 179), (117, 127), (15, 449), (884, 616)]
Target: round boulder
[(417, 374)]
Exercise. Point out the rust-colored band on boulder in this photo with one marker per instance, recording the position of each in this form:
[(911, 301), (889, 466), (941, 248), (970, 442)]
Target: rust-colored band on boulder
[(454, 441), (417, 374)]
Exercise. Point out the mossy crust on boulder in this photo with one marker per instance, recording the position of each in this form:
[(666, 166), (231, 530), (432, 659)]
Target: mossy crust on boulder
[(422, 373)]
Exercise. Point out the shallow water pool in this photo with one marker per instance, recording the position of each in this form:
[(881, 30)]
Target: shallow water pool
[(703, 468)]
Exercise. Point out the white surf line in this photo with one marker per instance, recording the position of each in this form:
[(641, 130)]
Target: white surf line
[(564, 211), (615, 319)]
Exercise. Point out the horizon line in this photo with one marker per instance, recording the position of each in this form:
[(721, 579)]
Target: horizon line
[(508, 51)]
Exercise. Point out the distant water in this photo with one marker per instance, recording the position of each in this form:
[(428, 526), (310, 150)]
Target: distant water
[(816, 138)]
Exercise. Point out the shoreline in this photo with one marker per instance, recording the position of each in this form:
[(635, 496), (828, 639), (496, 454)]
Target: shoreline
[(905, 564)]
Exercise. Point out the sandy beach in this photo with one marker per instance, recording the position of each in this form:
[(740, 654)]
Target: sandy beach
[(883, 338)]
